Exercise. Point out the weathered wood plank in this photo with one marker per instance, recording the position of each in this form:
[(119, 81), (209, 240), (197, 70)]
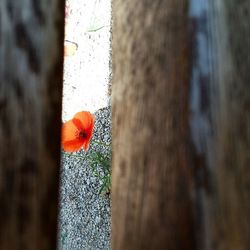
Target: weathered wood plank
[(31, 53), (220, 97), (151, 185)]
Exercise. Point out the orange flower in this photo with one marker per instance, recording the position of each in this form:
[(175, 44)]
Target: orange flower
[(77, 133)]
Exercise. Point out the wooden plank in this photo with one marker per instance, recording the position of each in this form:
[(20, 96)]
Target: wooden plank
[(31, 66), (151, 185), (220, 97)]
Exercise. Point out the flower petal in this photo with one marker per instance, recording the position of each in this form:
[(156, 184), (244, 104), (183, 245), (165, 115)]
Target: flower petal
[(86, 143), (86, 119), (78, 124), (69, 131), (71, 141), (72, 146), (83, 122), (70, 48)]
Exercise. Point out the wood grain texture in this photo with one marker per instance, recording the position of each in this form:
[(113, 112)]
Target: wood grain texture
[(31, 53), (151, 185), (220, 123), (233, 159)]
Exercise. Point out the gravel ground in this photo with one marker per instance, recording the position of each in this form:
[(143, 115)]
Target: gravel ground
[(85, 216)]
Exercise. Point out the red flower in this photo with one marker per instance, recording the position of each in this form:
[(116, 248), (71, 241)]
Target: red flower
[(77, 133)]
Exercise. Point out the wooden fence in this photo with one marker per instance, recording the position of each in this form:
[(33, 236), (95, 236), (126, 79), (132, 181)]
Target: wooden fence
[(181, 110)]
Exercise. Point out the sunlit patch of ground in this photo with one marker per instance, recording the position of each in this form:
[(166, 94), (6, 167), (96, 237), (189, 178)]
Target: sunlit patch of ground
[(87, 72)]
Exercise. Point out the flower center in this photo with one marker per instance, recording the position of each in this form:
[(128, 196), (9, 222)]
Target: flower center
[(82, 134)]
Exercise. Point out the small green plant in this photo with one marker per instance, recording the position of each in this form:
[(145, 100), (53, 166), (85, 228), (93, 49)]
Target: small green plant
[(100, 164), (64, 238), (98, 161)]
